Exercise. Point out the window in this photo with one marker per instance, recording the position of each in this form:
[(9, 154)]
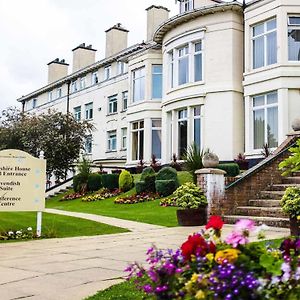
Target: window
[(77, 113), (156, 81), (88, 145), (121, 67), (89, 111), (138, 82), (50, 96), (171, 72), (82, 83), (112, 104), (182, 132), (264, 44), (197, 126), (198, 61), (294, 38), (112, 140), (95, 79), (156, 138), (34, 103), (107, 71), (124, 138), (183, 65), (265, 120), (74, 87), (59, 92), (186, 5), (124, 100), (137, 131)]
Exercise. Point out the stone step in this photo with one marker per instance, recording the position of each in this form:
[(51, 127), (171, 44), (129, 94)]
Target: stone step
[(291, 180), (276, 195), (270, 221), (260, 211), (264, 202), (282, 187)]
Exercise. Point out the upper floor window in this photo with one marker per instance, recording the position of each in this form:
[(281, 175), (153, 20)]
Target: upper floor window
[(198, 61), (82, 83), (186, 5), (77, 113), (88, 144), (59, 92), (124, 100), (156, 81), (112, 140), (89, 111), (294, 38), (183, 65), (138, 83), (95, 79), (74, 86), (124, 138), (264, 44), (112, 104), (50, 96), (121, 67), (34, 103), (107, 72)]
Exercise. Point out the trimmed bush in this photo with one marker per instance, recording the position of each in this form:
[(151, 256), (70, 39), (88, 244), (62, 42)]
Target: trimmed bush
[(110, 181), (94, 182), (77, 182), (167, 173), (147, 182), (125, 181), (231, 169), (166, 187)]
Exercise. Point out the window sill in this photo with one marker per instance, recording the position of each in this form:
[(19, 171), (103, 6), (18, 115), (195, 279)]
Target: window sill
[(88, 119), (184, 86), (262, 69), (110, 151), (123, 111), (112, 114)]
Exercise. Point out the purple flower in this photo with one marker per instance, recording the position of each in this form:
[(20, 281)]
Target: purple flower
[(244, 225), (148, 288)]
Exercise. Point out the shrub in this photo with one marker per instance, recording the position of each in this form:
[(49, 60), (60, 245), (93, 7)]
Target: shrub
[(292, 163), (231, 169), (147, 182), (167, 173), (94, 182), (77, 183), (290, 202), (110, 181), (125, 181), (80, 181), (165, 187), (189, 195)]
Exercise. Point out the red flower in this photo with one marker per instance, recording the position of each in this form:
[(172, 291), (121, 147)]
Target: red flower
[(196, 245), (215, 222)]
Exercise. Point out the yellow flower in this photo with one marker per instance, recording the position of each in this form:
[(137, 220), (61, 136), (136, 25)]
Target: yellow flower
[(194, 277), (200, 295), (230, 255), (210, 256), (193, 258)]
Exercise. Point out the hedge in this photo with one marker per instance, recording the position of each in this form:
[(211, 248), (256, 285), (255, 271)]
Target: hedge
[(231, 169), (166, 187), (94, 182), (147, 182), (110, 181)]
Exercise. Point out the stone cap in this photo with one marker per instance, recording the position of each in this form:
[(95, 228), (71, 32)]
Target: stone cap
[(58, 61), (210, 171), (294, 133), (158, 7)]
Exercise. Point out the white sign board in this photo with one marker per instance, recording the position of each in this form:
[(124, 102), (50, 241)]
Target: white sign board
[(22, 181)]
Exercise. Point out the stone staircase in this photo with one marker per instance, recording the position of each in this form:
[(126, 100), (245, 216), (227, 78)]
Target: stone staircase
[(266, 208)]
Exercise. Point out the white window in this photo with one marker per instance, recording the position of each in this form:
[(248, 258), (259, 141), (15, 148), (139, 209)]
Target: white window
[(59, 92), (34, 103), (197, 126), (88, 145), (264, 44), (95, 79), (171, 70), (112, 140), (294, 38), (89, 111), (124, 100), (124, 138), (137, 146), (121, 67), (156, 81), (50, 96), (183, 65), (138, 82), (112, 104), (74, 86), (107, 72), (197, 61), (77, 113), (182, 132), (82, 83), (156, 138), (186, 5), (265, 120)]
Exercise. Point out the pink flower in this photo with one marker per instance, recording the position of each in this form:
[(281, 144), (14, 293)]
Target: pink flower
[(244, 225), (236, 238)]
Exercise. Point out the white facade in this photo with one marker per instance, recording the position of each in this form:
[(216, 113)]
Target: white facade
[(216, 75)]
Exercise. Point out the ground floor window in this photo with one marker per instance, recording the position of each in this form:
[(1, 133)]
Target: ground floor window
[(88, 144), (156, 138), (137, 134), (197, 126), (182, 132), (265, 120), (124, 138)]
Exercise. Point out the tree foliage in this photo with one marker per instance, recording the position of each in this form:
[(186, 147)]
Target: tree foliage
[(59, 135)]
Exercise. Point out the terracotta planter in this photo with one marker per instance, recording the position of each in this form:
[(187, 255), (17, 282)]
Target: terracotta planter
[(192, 217), (294, 226)]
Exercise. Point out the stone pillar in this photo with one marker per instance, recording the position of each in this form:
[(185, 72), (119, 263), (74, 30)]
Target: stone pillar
[(212, 183)]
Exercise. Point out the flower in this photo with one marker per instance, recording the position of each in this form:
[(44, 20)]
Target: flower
[(236, 238), (200, 295), (29, 228), (287, 245), (229, 255), (215, 222), (245, 226)]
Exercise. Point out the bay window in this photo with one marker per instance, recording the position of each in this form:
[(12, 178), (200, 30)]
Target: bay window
[(156, 81), (137, 134), (198, 61), (183, 65), (197, 126), (138, 84), (156, 138), (182, 132), (294, 38)]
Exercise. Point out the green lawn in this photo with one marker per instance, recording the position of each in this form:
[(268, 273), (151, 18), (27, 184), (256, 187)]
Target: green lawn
[(147, 212), (55, 225)]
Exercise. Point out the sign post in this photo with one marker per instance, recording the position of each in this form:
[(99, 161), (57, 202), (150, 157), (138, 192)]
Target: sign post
[(22, 183)]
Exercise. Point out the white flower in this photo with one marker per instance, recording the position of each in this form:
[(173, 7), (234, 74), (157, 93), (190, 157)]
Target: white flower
[(29, 228), (10, 233), (19, 232)]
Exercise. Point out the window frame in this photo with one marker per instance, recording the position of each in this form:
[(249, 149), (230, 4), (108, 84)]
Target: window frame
[(292, 27), (186, 6), (156, 128), (142, 79), (123, 138), (74, 88), (77, 113), (95, 78), (152, 81), (88, 111), (139, 129), (88, 144), (34, 103), (107, 72), (124, 97), (111, 140), (113, 104)]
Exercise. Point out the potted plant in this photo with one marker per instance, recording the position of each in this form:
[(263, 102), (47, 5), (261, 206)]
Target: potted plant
[(290, 204), (192, 205), (241, 161)]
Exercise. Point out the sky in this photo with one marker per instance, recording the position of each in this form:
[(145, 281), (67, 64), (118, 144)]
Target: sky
[(34, 32)]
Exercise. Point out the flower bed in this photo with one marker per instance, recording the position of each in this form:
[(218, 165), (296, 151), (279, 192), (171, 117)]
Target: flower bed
[(72, 196), (101, 195), (138, 198), (22, 234), (206, 267)]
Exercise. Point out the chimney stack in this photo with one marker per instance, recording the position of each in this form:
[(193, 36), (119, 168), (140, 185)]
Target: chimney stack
[(57, 69), (156, 15), (116, 39), (83, 56)]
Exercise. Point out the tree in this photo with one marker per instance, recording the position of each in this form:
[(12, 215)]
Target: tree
[(59, 135)]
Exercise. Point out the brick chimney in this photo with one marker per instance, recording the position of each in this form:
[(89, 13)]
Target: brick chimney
[(57, 69), (116, 39), (156, 15), (83, 56)]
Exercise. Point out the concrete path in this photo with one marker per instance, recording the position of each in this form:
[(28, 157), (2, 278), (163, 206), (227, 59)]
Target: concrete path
[(74, 268)]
